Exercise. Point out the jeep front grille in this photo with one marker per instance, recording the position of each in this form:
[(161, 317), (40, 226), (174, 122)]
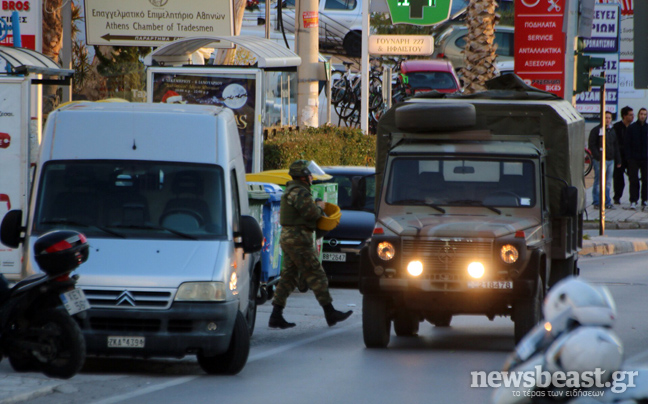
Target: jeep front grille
[(446, 256), (110, 298)]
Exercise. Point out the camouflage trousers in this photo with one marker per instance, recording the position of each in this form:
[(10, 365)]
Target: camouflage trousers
[(300, 259)]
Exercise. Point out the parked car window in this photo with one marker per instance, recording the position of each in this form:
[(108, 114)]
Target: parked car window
[(504, 41), (340, 4), (432, 80)]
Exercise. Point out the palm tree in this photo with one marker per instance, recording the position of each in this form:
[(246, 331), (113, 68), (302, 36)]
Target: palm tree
[(479, 53)]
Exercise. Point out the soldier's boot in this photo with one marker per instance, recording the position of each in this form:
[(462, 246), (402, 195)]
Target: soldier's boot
[(277, 320), (334, 316)]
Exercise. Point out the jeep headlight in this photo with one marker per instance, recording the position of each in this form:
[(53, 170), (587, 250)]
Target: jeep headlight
[(385, 250), (415, 268), (509, 253), (476, 270), (201, 291)]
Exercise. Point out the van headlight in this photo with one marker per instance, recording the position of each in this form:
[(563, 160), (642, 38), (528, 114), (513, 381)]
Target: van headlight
[(201, 291), (509, 253), (385, 250)]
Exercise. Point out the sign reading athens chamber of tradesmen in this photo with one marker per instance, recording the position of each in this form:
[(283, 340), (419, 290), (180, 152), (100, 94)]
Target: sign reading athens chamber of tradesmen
[(540, 44), (401, 44), (155, 22)]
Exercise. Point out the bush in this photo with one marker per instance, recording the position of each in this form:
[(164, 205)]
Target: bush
[(326, 145)]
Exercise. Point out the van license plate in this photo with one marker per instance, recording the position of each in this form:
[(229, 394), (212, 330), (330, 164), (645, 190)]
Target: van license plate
[(125, 342), (75, 301), (337, 257), (490, 285)]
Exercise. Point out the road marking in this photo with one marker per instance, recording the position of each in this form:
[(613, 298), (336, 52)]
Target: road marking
[(252, 358)]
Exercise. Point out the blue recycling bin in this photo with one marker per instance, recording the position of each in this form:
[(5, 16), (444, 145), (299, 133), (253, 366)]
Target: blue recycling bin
[(271, 252)]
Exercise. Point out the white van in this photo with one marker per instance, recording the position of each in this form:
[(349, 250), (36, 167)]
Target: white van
[(159, 190)]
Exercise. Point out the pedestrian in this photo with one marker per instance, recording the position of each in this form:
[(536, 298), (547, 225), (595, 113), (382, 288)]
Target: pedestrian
[(620, 128), (612, 160), (298, 214), (636, 150)]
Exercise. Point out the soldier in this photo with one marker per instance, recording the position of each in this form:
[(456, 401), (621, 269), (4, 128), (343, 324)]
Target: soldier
[(298, 216)]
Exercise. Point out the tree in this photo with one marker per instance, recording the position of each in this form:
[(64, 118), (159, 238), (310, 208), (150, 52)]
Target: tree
[(479, 53)]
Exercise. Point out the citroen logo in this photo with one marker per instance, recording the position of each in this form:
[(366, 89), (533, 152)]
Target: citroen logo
[(446, 254), (125, 298), (333, 242)]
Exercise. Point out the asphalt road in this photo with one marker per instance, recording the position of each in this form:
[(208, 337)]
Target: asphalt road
[(313, 363)]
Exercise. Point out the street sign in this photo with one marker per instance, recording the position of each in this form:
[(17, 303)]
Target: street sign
[(540, 44), (419, 12), (401, 44), (155, 22)]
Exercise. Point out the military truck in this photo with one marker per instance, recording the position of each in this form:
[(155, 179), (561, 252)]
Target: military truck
[(479, 202)]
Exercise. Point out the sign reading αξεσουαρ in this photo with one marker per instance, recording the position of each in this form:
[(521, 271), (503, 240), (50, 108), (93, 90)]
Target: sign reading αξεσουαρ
[(155, 22)]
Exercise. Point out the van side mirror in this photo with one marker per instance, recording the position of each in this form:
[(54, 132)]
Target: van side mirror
[(251, 234), (358, 192), (11, 229), (569, 201)]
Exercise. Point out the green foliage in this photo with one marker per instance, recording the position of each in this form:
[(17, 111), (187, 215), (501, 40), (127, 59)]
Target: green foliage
[(326, 145), (122, 67)]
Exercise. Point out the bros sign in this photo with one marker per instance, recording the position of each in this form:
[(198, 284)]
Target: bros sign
[(419, 12)]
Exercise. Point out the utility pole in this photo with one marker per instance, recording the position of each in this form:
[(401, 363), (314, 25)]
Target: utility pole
[(307, 25), (66, 49), (602, 181)]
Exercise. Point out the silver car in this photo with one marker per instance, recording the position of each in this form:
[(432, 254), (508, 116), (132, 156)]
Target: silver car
[(450, 44)]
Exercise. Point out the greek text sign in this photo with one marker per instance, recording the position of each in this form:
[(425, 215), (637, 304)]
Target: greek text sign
[(29, 19), (540, 44), (419, 12), (155, 22), (605, 29), (401, 44)]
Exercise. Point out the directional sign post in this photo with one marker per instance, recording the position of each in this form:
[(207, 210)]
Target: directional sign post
[(155, 22), (401, 44)]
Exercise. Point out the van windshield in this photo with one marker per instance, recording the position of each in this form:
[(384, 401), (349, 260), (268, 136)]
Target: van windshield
[(462, 182), (132, 199)]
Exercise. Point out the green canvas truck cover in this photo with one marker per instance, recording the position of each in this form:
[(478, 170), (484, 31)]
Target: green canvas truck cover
[(510, 107)]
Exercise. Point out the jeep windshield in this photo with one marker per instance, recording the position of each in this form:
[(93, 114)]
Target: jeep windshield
[(462, 182), (132, 199)]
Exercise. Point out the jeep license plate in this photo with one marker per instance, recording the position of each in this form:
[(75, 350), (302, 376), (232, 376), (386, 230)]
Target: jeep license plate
[(490, 285), (75, 301), (336, 257), (125, 342)]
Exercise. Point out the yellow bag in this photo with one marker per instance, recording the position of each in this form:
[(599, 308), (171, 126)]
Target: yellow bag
[(332, 218)]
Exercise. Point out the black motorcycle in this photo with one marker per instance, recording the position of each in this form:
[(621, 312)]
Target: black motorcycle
[(37, 331)]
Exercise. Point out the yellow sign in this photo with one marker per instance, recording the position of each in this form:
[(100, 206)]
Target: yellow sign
[(155, 22), (401, 44)]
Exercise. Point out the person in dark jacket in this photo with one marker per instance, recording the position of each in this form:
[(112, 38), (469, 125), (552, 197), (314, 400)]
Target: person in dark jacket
[(636, 151), (298, 214), (620, 128), (612, 157)]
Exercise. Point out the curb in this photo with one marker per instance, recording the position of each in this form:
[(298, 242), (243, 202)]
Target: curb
[(16, 389), (593, 225), (603, 246)]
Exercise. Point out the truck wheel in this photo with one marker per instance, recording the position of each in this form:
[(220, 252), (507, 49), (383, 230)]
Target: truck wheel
[(527, 312), (561, 269), (234, 359), (406, 324), (376, 325)]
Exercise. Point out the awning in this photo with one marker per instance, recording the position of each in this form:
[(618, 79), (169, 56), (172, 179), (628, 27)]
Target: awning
[(269, 54), (25, 61)]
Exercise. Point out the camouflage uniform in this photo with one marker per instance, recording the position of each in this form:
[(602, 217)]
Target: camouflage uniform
[(298, 218)]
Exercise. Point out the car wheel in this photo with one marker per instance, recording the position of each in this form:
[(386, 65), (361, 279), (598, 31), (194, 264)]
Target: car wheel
[(234, 359), (252, 303), (376, 325), (353, 44)]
